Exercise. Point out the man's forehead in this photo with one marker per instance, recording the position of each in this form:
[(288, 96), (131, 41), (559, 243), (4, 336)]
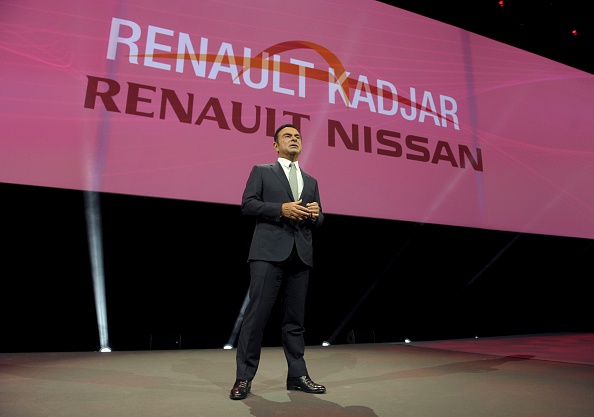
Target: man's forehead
[(289, 131)]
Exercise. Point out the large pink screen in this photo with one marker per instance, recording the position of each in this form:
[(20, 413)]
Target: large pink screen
[(403, 117)]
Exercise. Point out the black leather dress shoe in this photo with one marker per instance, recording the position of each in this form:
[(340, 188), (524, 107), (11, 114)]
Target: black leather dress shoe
[(240, 389), (305, 384)]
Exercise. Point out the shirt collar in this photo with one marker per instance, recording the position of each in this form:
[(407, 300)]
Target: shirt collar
[(285, 163)]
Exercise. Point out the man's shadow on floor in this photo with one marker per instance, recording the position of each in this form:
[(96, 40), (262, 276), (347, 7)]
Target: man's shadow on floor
[(304, 405)]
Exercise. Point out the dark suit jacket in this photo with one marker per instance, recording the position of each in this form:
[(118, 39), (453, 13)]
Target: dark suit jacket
[(266, 190)]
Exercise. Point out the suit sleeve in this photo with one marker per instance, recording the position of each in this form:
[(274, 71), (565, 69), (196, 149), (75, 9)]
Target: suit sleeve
[(252, 200), (317, 222)]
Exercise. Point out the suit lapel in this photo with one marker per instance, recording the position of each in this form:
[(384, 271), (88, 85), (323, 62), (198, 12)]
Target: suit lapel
[(306, 181), (279, 171)]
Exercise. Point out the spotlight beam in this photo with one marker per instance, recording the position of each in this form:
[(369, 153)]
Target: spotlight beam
[(93, 217), (492, 261), (330, 340), (238, 322)]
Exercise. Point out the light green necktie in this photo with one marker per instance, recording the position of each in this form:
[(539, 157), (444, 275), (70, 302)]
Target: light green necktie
[(293, 181)]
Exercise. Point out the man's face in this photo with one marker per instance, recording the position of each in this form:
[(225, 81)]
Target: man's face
[(289, 143)]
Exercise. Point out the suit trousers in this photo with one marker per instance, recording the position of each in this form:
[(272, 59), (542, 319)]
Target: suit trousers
[(290, 278)]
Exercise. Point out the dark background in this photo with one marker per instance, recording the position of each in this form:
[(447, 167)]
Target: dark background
[(179, 267)]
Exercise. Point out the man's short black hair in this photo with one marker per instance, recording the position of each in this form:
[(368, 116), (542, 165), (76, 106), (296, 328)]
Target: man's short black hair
[(281, 127)]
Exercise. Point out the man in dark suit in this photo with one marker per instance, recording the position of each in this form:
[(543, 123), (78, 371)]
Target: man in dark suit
[(280, 260)]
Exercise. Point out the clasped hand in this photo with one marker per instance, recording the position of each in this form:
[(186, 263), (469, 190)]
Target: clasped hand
[(295, 211)]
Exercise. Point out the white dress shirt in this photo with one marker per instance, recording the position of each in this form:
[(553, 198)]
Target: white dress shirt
[(285, 164)]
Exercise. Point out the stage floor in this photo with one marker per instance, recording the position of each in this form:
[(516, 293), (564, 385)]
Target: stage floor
[(532, 375)]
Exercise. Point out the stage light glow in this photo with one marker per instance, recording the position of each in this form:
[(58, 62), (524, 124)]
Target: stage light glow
[(407, 340), (325, 343), (93, 216), (238, 322), (228, 346)]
